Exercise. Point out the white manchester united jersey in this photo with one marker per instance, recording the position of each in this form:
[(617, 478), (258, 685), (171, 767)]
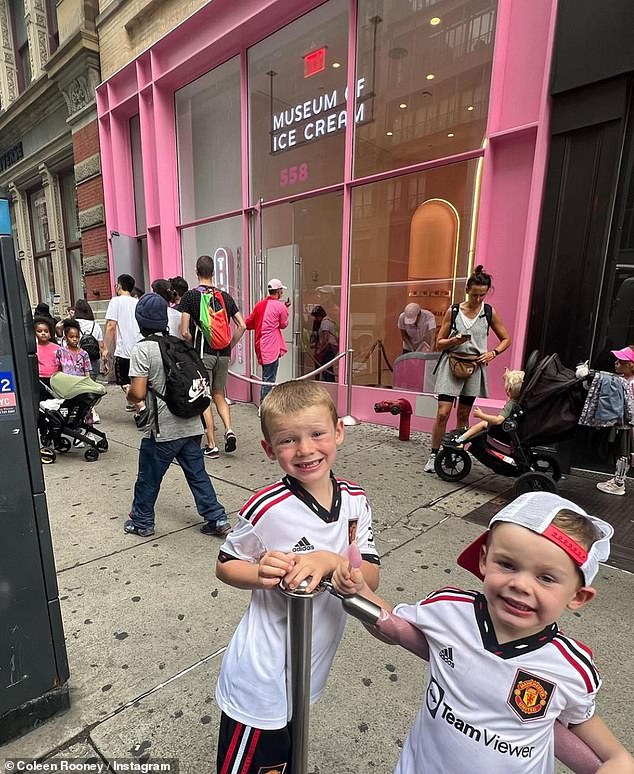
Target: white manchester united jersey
[(489, 707), (252, 686)]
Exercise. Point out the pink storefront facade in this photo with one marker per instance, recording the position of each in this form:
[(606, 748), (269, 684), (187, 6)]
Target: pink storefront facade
[(368, 152)]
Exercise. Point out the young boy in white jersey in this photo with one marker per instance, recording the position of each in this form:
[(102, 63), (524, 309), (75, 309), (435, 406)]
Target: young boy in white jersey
[(297, 528), (500, 671)]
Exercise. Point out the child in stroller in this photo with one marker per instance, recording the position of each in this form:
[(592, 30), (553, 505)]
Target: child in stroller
[(512, 386), (547, 410), (63, 416)]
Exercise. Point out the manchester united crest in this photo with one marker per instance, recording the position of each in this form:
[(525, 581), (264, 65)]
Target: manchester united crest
[(530, 696)]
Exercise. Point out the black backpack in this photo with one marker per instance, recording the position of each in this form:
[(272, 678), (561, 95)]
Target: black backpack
[(90, 344), (187, 391)]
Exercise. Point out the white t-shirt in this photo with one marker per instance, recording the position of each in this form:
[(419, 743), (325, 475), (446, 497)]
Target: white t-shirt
[(419, 331), (254, 686), (489, 707), (121, 310), (174, 322)]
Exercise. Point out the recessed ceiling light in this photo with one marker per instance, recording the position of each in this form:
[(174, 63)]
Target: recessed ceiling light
[(430, 76), (470, 107), (450, 134), (389, 134), (434, 21), (336, 64), (403, 105)]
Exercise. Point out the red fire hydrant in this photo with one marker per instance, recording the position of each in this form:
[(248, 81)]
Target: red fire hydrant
[(403, 408)]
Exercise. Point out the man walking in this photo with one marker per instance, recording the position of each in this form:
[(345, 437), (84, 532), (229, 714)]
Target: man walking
[(218, 308), (122, 332), (268, 319), (167, 437)]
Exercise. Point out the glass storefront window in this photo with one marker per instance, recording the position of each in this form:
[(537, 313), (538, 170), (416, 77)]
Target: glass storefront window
[(39, 220), (306, 256), (70, 210), (427, 70), (222, 240), (45, 280), (297, 103), (70, 214), (41, 247), (137, 175), (209, 143), (411, 241)]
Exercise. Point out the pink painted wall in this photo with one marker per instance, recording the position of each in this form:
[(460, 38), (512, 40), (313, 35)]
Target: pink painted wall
[(513, 168)]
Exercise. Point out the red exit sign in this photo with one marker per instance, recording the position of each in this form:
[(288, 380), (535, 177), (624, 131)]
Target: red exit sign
[(314, 62)]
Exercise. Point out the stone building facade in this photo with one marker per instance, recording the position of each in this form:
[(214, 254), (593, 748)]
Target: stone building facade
[(49, 148)]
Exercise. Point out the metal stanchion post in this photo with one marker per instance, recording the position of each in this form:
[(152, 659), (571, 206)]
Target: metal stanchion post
[(300, 626), (349, 420)]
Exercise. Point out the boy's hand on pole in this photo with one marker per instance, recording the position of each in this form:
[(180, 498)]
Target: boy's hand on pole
[(272, 567), (316, 565)]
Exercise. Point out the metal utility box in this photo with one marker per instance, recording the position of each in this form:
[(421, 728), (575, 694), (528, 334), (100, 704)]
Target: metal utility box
[(33, 664)]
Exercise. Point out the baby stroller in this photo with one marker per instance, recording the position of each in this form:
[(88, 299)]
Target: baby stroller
[(63, 417), (548, 410)]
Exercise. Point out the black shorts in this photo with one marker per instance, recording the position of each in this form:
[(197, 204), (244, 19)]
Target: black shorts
[(122, 371), (463, 400), (249, 750)]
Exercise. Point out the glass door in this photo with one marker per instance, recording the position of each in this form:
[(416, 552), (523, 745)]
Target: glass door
[(301, 246)]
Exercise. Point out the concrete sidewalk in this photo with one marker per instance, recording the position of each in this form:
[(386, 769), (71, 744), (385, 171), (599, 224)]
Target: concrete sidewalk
[(147, 621)]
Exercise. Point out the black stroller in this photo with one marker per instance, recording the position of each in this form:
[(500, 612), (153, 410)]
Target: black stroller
[(63, 417), (548, 410)]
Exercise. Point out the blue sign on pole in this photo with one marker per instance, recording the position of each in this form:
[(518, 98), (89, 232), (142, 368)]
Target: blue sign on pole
[(5, 220)]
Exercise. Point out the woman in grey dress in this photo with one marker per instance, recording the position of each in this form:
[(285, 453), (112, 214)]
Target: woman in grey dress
[(468, 336)]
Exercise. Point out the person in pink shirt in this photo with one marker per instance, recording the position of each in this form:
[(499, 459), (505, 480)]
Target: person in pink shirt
[(268, 319), (47, 363)]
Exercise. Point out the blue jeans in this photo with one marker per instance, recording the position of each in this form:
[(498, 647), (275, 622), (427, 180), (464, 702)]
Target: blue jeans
[(154, 460), (269, 374)]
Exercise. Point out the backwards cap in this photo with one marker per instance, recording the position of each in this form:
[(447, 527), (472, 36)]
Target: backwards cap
[(536, 511)]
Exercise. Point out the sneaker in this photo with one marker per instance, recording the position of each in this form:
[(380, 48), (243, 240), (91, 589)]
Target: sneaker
[(231, 442), (96, 419), (210, 528), (611, 487), (131, 407), (78, 444), (130, 528), (211, 454), (454, 443), (430, 464)]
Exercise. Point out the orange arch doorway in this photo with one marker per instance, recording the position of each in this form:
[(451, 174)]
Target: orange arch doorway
[(433, 251)]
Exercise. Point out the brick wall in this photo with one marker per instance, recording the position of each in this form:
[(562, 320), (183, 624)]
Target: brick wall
[(94, 245), (98, 286), (117, 46), (86, 142)]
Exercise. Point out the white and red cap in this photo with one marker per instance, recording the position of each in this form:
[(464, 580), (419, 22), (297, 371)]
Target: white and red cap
[(275, 284), (536, 511)]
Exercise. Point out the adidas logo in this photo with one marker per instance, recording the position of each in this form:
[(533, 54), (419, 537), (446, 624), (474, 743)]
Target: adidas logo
[(303, 544), (446, 654)]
